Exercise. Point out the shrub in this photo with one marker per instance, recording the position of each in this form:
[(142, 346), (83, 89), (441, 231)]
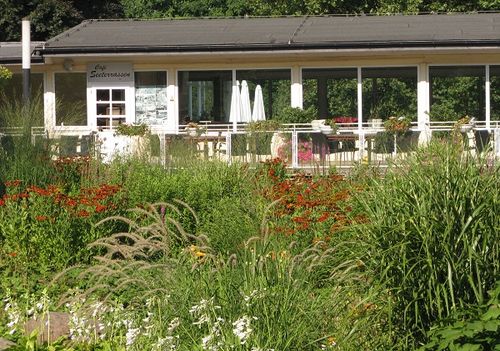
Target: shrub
[(433, 229), (296, 115)]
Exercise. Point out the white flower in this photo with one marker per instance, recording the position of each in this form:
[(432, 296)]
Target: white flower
[(131, 335), (174, 323), (242, 329)]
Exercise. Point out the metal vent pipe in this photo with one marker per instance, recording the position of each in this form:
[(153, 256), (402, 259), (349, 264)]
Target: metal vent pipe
[(26, 55)]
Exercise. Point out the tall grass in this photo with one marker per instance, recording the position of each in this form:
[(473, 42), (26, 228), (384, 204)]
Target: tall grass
[(261, 298), (433, 236), (20, 158)]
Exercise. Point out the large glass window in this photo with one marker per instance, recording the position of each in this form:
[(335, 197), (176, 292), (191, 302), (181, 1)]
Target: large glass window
[(275, 84), (204, 96), (71, 98), (332, 91), (389, 91), (11, 99), (151, 97), (456, 92), (13, 87), (495, 93)]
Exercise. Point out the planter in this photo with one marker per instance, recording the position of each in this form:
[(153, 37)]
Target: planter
[(465, 128), (192, 132), (327, 130), (281, 147)]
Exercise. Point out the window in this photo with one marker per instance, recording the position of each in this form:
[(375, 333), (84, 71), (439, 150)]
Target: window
[(332, 91), (456, 92), (389, 91), (275, 84), (151, 97), (110, 107), (495, 93), (204, 96), (71, 99), (13, 88)]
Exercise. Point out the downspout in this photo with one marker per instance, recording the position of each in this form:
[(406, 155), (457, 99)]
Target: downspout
[(26, 59)]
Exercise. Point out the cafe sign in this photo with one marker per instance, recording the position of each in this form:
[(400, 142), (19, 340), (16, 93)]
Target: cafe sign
[(109, 72)]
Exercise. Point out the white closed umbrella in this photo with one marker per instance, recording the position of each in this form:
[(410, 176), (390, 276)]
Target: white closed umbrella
[(258, 113), (246, 109), (235, 111)]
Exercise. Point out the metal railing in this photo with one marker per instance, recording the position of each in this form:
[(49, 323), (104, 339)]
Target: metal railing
[(300, 146)]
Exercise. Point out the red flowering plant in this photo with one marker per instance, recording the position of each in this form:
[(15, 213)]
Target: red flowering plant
[(310, 209), (49, 229)]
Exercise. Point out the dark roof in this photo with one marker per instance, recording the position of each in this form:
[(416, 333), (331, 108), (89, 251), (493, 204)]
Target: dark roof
[(255, 33), (11, 52)]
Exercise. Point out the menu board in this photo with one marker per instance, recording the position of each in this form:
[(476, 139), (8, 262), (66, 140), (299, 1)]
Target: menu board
[(151, 105)]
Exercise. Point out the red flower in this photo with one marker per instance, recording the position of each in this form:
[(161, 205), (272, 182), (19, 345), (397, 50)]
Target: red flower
[(41, 218), (324, 217), (2, 202), (12, 254), (100, 208), (83, 213), (12, 182)]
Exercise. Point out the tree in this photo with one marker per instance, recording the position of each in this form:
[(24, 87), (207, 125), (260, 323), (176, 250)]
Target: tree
[(51, 17)]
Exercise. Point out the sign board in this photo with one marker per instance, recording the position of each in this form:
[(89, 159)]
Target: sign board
[(109, 72)]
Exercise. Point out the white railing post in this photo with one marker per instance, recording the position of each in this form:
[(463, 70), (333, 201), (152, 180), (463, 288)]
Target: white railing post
[(295, 149)]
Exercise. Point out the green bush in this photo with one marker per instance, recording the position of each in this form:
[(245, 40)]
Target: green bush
[(296, 115), (433, 229), (477, 329)]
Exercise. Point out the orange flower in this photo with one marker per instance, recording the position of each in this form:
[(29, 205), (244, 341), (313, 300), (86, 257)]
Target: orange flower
[(83, 213), (41, 218), (12, 182), (100, 208), (12, 254)]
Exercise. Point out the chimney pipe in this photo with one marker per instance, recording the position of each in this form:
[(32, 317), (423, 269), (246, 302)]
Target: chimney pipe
[(26, 55)]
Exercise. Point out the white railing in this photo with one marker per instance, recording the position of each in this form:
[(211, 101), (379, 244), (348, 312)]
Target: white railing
[(299, 145)]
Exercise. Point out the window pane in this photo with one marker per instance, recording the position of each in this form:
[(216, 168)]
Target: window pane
[(103, 109), (151, 97), (332, 91), (457, 92), (204, 95), (118, 94), (71, 99), (13, 88), (495, 92), (275, 86), (118, 109), (389, 91), (12, 93), (102, 94)]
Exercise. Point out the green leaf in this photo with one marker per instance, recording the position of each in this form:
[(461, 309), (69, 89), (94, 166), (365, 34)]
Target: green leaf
[(469, 347), (492, 313), (491, 325)]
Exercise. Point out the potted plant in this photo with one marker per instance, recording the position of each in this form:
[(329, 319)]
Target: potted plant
[(396, 134), (192, 129), (464, 124), (330, 127), (136, 137)]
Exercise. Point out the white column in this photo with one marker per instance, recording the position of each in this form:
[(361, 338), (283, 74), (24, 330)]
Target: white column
[(49, 103), (173, 100), (487, 98), (296, 88), (360, 100), (423, 102)]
